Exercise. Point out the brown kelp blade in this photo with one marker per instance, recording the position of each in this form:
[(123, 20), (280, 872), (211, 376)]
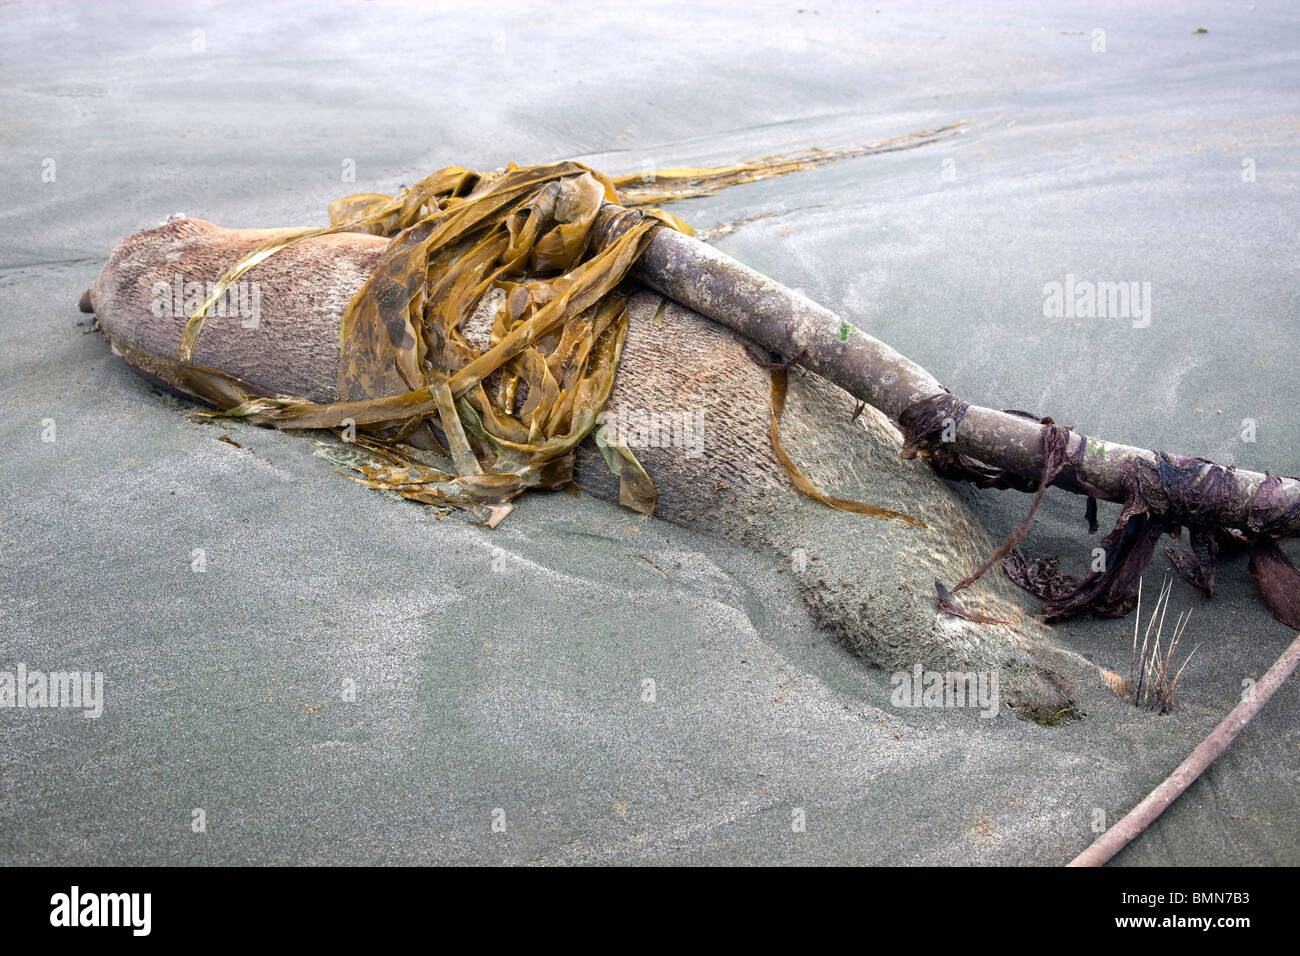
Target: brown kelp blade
[(668, 185), (800, 480), (1277, 578)]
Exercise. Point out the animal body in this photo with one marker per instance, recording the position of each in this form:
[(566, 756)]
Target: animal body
[(869, 582)]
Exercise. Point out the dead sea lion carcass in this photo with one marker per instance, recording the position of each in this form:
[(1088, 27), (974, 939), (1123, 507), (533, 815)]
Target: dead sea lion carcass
[(865, 580)]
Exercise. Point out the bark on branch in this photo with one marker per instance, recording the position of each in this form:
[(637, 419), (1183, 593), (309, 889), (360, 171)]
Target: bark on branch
[(788, 322)]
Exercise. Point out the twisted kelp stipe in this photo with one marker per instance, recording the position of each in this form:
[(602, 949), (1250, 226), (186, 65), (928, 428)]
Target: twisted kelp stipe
[(509, 416)]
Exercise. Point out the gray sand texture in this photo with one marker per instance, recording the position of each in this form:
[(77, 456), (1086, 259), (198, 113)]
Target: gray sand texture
[(351, 679)]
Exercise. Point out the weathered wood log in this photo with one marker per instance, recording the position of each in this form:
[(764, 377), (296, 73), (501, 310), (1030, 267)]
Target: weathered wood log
[(790, 324)]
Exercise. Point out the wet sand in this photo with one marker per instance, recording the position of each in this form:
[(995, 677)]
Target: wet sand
[(478, 692)]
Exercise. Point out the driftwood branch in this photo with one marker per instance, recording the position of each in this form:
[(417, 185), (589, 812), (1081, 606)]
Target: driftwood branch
[(1141, 816), (788, 322)]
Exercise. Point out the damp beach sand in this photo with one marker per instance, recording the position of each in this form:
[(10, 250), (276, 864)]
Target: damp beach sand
[(631, 692)]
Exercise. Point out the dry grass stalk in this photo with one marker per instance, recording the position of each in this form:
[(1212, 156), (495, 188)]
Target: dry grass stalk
[(1152, 679)]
